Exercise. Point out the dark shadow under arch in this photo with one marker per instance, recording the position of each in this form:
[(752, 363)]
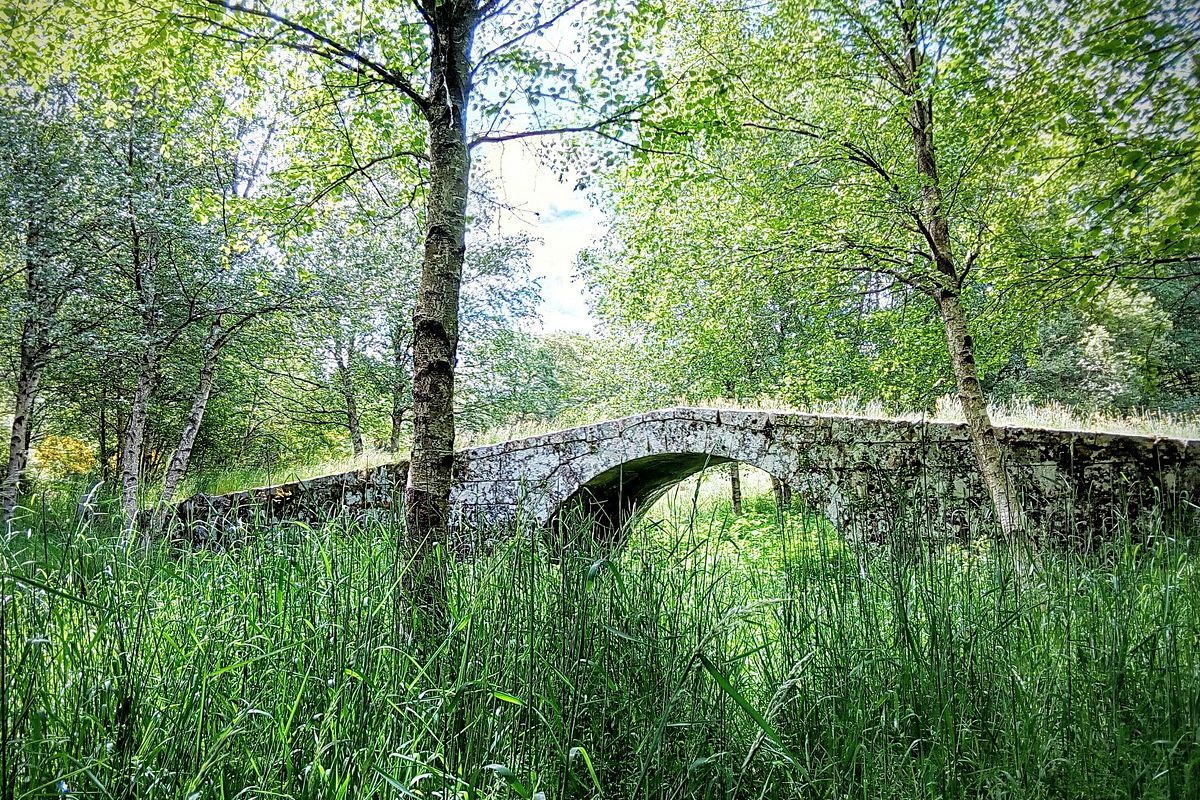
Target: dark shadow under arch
[(617, 496)]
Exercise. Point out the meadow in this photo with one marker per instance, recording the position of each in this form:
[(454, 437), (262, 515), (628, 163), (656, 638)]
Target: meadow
[(759, 656)]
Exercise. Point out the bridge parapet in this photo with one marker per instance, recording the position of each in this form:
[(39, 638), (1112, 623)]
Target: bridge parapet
[(863, 474)]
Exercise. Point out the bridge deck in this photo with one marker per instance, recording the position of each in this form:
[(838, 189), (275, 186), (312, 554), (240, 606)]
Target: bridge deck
[(852, 468)]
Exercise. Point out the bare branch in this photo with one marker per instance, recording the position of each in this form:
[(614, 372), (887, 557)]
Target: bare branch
[(331, 50), (515, 40)]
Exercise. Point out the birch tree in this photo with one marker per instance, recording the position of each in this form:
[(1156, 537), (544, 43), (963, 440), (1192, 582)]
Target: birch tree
[(899, 151), (424, 56), (44, 172)]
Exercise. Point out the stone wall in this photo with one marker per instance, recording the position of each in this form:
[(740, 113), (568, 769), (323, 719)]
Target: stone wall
[(377, 492), (866, 475)]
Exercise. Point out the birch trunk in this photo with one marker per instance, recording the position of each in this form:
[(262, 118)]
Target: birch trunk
[(988, 452), (178, 465), (103, 433), (735, 487), (435, 318), (18, 450), (143, 263), (34, 349), (131, 446), (400, 390), (346, 382), (782, 492), (947, 280), (118, 444)]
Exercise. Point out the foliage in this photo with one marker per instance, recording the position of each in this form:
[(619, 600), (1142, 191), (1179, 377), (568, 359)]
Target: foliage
[(768, 238), (202, 185), (1107, 354), (57, 457)]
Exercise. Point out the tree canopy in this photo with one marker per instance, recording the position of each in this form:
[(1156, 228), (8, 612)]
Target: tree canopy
[(256, 236)]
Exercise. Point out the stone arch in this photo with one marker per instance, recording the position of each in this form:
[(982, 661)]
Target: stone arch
[(612, 493), (612, 470), (614, 496), (850, 469)]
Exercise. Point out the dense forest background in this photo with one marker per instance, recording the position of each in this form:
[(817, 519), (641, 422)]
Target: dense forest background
[(211, 246)]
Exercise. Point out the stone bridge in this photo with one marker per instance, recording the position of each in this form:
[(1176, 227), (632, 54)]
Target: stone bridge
[(866, 475)]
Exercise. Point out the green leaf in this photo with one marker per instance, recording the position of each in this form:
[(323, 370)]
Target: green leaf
[(508, 698), (604, 564), (510, 778), (752, 712), (587, 761)]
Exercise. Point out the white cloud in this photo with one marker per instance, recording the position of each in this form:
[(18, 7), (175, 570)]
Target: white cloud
[(556, 214)]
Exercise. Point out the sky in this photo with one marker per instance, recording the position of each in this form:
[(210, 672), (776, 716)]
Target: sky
[(563, 221)]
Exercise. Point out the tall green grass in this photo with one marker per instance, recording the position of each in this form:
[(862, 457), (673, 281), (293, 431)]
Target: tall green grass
[(708, 657)]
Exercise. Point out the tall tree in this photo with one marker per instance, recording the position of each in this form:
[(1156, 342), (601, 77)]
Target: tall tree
[(424, 53), (895, 151), (44, 172), (158, 258), (186, 267)]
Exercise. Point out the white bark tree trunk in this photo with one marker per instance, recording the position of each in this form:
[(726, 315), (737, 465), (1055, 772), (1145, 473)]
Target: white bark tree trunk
[(735, 487), (988, 452), (40, 309), (435, 318), (945, 286), (401, 392), (346, 384), (131, 445), (18, 450), (178, 465), (782, 492)]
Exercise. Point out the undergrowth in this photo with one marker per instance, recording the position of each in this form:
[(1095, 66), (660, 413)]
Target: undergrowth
[(708, 657)]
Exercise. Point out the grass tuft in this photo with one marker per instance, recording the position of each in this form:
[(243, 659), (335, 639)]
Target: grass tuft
[(708, 657)]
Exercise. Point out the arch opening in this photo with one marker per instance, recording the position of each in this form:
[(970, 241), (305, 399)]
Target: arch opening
[(733, 488), (617, 496), (613, 499)]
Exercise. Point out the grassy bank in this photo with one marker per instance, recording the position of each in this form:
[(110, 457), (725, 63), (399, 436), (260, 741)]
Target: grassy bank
[(710, 657)]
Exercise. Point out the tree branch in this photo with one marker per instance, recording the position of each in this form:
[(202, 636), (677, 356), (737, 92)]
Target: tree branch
[(335, 51), (500, 48)]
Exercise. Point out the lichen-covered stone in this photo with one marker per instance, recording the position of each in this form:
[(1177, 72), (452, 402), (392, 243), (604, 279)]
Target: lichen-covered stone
[(870, 477)]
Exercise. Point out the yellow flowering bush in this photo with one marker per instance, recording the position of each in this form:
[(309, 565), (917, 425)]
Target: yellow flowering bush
[(58, 457)]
